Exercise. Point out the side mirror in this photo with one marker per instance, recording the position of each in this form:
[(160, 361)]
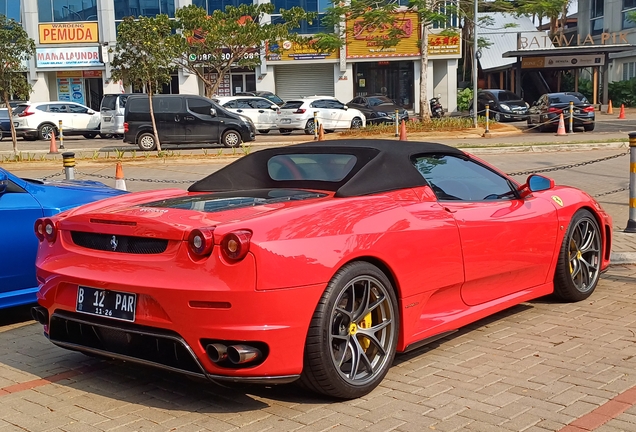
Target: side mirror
[(538, 183), (213, 112), (274, 107), (90, 112), (345, 107), (4, 182)]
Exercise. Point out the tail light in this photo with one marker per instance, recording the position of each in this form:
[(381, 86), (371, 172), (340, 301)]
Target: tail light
[(125, 126), (45, 229), (39, 229), (588, 109), (26, 112), (236, 245), (555, 110), (299, 111), (201, 241)]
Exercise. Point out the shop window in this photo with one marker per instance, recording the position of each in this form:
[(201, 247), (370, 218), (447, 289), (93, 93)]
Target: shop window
[(212, 5), (67, 10), (318, 6), (629, 71), (448, 8), (596, 16), (147, 8), (10, 9)]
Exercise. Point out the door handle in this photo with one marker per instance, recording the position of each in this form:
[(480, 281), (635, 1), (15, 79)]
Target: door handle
[(239, 110), (261, 111), (177, 118), (450, 210)]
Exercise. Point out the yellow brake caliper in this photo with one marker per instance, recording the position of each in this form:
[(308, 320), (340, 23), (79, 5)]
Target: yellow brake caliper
[(365, 324)]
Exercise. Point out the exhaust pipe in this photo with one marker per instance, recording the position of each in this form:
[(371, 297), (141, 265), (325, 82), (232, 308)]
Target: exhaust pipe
[(40, 314), (216, 352), (241, 354)]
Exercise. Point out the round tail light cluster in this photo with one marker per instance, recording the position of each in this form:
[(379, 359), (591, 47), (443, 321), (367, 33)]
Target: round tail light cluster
[(201, 241), (236, 245), (45, 229)]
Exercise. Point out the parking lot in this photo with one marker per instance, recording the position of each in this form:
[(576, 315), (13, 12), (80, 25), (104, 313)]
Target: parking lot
[(540, 366)]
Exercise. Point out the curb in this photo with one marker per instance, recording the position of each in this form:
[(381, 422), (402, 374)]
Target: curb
[(622, 258)]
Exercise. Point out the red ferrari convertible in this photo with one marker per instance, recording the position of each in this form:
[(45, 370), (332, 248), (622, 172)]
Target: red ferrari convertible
[(315, 262)]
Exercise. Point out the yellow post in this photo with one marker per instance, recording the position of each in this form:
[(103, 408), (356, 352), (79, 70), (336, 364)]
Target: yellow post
[(631, 222)]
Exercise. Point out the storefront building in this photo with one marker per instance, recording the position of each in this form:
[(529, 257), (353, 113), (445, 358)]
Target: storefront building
[(73, 39)]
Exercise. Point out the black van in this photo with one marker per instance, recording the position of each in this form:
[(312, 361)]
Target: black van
[(183, 119)]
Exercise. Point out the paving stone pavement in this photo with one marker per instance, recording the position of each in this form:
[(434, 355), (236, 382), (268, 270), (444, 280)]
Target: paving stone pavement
[(539, 366)]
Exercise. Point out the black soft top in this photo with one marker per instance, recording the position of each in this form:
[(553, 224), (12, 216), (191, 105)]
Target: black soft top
[(382, 165)]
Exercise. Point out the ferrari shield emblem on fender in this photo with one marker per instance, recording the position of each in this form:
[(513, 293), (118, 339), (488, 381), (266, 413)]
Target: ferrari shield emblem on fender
[(557, 200)]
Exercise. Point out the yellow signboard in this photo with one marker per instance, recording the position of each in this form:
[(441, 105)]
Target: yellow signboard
[(440, 45), (290, 51), (362, 41), (67, 33), (532, 62), (69, 74)]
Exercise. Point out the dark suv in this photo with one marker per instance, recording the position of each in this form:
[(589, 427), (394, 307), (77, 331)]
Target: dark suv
[(183, 119)]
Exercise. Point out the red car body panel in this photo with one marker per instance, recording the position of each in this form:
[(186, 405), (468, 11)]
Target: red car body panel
[(451, 263)]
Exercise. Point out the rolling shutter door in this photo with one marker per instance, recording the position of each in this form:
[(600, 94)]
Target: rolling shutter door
[(295, 81)]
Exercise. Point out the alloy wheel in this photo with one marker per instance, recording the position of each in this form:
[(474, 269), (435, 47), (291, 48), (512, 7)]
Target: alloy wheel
[(584, 255)]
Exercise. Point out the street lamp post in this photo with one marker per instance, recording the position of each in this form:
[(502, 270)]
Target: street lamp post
[(475, 66)]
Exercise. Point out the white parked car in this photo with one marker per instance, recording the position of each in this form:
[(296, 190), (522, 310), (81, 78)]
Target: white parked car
[(332, 114), (261, 111), (41, 119)]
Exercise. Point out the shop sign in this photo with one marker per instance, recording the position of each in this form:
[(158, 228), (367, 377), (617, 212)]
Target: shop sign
[(68, 33), (562, 61), (290, 51), (534, 41), (70, 90), (447, 46), (362, 41), (92, 74), (79, 74), (67, 57), (226, 54)]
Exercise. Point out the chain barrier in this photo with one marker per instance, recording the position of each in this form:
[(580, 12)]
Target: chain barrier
[(147, 180), (611, 192), (52, 175), (562, 167)]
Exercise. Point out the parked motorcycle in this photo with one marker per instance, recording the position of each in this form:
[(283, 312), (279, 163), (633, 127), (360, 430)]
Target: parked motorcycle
[(437, 110)]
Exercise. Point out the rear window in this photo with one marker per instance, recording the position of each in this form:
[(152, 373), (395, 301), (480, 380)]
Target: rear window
[(565, 99), (311, 167), (109, 102), (19, 109), (292, 105)]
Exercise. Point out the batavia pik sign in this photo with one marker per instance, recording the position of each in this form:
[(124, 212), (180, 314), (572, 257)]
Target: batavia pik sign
[(67, 57), (58, 33), (541, 42)]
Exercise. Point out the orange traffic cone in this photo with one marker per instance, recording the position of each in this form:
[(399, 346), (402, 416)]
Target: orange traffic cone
[(610, 110), (321, 133), (119, 177), (53, 146), (561, 129), (621, 114), (403, 131)]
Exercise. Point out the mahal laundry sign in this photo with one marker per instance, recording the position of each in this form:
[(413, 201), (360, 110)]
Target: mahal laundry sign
[(67, 57)]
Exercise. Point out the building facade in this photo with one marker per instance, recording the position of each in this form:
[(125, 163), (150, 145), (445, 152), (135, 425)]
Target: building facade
[(73, 38), (608, 22)]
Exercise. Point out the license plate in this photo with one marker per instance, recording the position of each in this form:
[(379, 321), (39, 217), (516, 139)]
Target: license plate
[(106, 303), (107, 119), (285, 121), (16, 124), (577, 112)]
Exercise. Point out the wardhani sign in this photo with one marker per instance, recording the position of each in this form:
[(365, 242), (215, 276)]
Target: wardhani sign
[(539, 42), (77, 32)]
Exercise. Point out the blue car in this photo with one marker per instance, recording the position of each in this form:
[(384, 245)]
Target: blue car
[(5, 124), (22, 201)]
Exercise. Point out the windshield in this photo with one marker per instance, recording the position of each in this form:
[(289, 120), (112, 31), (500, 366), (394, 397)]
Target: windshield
[(508, 96), (379, 100)]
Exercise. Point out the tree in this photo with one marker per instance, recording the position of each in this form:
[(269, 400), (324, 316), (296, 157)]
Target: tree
[(387, 16), (210, 45), (144, 56), (15, 49)]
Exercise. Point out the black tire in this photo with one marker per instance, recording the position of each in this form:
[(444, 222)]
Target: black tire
[(310, 127), (45, 130), (29, 138), (90, 135), (147, 142), (356, 123), (106, 136), (342, 316), (589, 128), (264, 131), (285, 131), (231, 138), (578, 268)]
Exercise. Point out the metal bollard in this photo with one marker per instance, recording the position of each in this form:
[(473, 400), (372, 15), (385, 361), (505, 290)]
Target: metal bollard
[(571, 117), (315, 125), (487, 119), (631, 222), (397, 123), (68, 161), (61, 135)]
